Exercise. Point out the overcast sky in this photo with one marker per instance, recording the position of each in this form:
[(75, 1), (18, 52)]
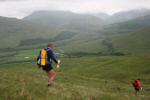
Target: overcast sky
[(21, 8)]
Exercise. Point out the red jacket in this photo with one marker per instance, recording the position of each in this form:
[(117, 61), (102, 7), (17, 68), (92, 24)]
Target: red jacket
[(137, 84)]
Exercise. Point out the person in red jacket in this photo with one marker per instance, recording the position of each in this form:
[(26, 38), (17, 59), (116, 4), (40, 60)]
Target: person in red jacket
[(137, 86)]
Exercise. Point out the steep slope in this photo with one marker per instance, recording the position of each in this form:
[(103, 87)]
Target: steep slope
[(134, 43), (85, 78)]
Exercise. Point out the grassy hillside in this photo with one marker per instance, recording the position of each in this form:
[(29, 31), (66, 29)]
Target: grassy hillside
[(81, 43), (128, 43), (13, 32), (43, 26), (85, 78), (136, 42)]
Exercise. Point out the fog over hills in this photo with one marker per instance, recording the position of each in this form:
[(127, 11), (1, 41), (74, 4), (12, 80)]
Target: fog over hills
[(123, 15), (128, 15)]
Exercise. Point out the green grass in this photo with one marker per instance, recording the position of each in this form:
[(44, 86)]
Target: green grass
[(83, 42), (135, 43), (85, 78)]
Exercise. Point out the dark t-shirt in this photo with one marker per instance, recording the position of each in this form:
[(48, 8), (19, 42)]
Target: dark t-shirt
[(50, 56)]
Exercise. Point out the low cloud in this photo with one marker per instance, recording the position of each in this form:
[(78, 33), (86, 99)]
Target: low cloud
[(11, 0), (21, 8)]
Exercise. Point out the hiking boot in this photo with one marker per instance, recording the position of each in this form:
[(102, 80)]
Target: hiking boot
[(49, 85)]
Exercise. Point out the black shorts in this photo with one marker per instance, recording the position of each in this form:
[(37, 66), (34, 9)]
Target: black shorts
[(137, 89), (47, 68)]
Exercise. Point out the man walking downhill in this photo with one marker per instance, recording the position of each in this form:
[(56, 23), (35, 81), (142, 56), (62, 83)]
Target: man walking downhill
[(45, 59)]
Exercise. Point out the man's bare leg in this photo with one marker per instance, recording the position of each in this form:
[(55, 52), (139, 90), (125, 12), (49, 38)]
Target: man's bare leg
[(52, 76)]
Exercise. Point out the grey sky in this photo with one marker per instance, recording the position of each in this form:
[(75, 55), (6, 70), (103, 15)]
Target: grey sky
[(21, 8)]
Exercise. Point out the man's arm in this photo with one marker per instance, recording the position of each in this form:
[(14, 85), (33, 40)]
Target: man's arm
[(52, 56)]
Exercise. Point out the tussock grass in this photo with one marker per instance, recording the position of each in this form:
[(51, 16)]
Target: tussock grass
[(85, 78)]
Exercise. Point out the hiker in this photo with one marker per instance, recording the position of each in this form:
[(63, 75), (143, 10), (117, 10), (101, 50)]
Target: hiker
[(44, 59), (137, 86)]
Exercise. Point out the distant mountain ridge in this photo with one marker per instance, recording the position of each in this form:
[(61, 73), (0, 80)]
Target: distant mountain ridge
[(66, 20), (122, 16), (130, 25), (128, 15)]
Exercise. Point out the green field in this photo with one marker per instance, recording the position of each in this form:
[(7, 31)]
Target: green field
[(84, 78)]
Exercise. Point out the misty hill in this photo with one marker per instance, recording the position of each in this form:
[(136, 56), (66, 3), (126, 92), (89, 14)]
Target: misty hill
[(128, 15), (101, 15), (130, 25), (53, 26), (116, 38), (136, 23), (67, 30), (13, 31), (66, 20)]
